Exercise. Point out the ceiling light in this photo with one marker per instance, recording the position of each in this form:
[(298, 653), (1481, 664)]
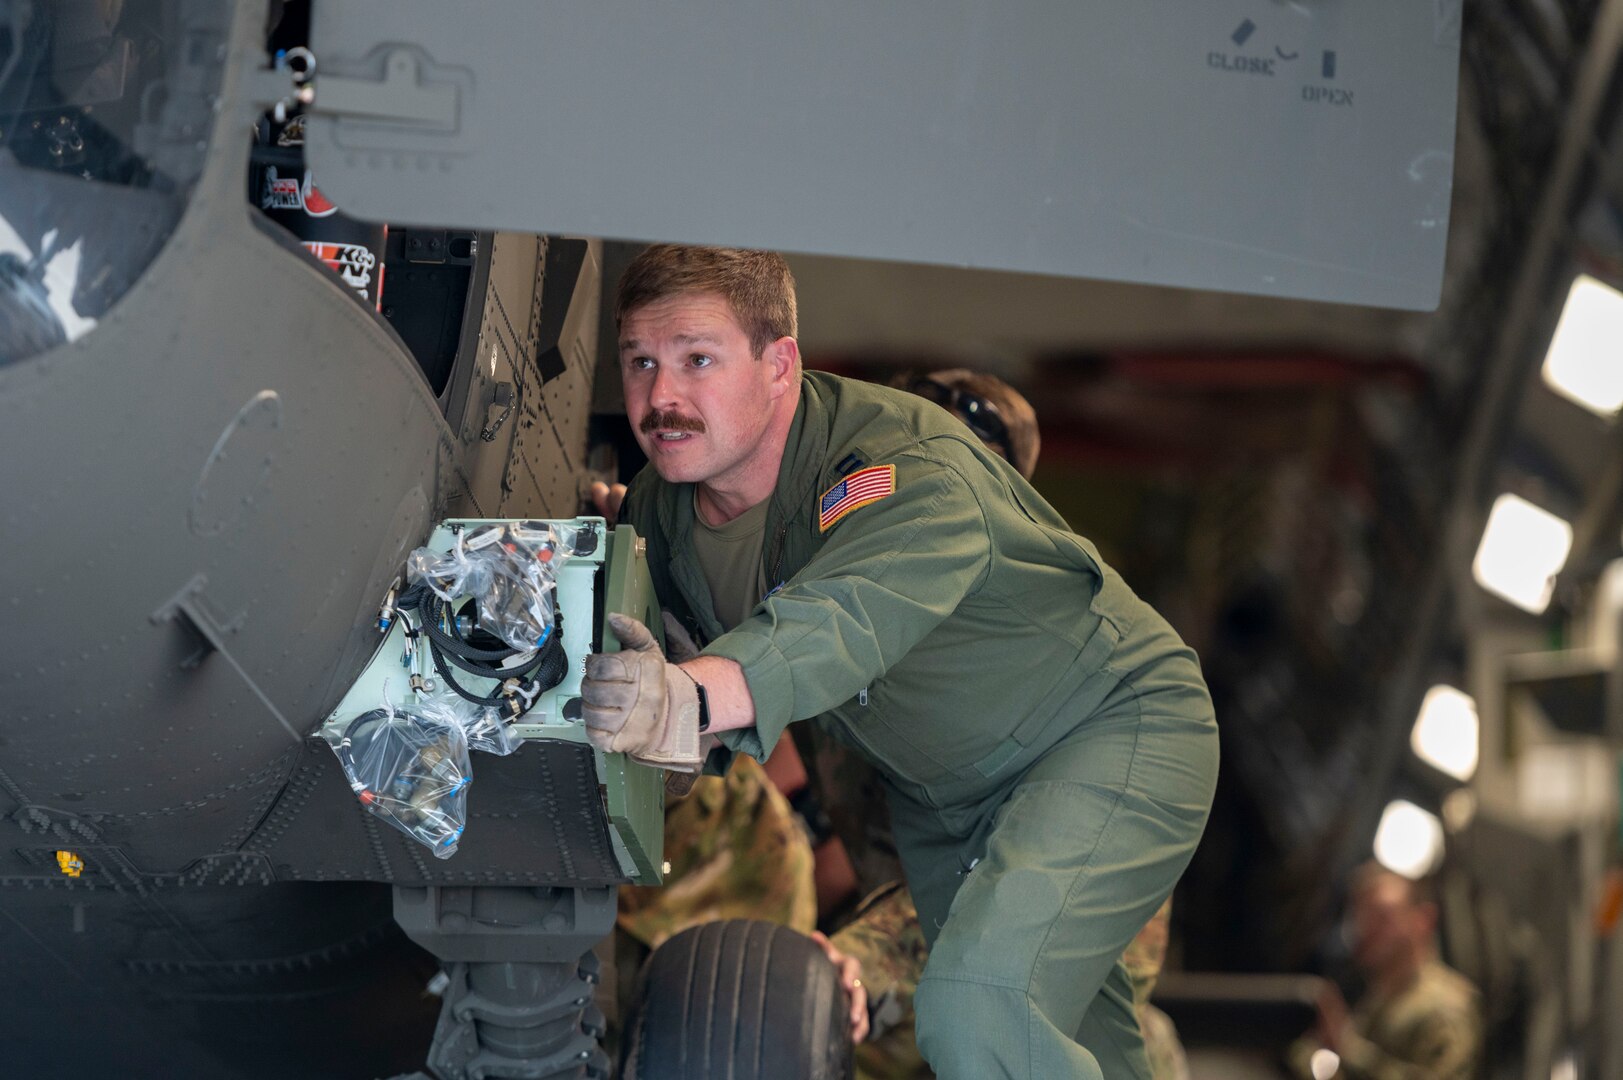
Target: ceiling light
[(1459, 810), (1446, 732), (1523, 548), (1585, 361), (1324, 1064), (1409, 841)]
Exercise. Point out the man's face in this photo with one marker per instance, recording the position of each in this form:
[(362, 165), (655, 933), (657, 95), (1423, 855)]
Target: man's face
[(699, 401), (1385, 922)]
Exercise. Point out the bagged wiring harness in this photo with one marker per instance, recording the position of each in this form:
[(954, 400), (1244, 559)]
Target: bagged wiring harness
[(510, 568), (409, 766), (455, 642), (487, 608), (485, 614)]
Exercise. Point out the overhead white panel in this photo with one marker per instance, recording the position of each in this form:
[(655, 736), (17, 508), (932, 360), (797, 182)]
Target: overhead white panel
[(1298, 149)]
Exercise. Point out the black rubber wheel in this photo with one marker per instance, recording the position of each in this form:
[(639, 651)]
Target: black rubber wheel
[(738, 1000)]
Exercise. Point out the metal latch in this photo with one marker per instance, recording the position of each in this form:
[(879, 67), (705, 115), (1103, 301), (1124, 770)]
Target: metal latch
[(292, 84), (400, 97)]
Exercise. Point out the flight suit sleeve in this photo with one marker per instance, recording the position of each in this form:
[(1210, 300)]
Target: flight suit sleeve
[(888, 574)]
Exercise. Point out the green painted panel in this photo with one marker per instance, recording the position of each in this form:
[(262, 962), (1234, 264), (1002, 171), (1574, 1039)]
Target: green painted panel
[(635, 793)]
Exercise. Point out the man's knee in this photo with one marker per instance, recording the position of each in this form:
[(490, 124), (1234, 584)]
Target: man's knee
[(965, 1028), (972, 1030)]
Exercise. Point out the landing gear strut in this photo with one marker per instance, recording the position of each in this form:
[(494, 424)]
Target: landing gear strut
[(521, 978)]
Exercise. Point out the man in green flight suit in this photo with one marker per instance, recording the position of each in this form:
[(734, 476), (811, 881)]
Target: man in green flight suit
[(1046, 740), (885, 936)]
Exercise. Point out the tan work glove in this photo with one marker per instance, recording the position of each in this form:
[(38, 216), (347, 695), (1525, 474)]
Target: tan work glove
[(637, 703), (680, 648)]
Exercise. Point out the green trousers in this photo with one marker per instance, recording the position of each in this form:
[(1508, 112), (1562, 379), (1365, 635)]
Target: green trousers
[(1031, 914)]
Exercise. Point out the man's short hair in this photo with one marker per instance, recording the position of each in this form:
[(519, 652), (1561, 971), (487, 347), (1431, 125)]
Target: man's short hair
[(756, 284), (1419, 891)]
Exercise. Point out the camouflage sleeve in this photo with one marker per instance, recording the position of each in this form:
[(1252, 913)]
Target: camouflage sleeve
[(1443, 1046), (1147, 952), (735, 852), (885, 936), (1162, 1045)]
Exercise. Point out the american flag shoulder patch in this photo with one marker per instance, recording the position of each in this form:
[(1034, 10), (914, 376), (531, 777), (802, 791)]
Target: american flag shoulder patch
[(857, 490)]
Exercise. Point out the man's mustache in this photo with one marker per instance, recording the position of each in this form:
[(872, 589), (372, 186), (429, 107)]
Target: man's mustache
[(670, 421)]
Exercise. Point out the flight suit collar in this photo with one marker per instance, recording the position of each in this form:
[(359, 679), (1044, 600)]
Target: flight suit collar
[(676, 521), (804, 450)]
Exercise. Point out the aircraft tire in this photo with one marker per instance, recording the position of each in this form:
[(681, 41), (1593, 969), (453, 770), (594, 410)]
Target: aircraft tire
[(739, 998)]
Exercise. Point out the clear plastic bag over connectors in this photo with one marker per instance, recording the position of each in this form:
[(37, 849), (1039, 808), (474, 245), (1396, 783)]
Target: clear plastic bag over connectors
[(409, 766), (485, 728), (509, 570)]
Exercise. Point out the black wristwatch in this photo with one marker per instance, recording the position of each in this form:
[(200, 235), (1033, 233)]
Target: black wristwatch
[(704, 704), (704, 699)]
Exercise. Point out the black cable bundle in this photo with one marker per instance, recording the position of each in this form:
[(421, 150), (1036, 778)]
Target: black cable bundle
[(482, 654)]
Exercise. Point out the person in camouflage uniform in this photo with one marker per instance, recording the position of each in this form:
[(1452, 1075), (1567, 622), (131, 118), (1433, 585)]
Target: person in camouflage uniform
[(736, 852), (884, 936), (1419, 1019), (1143, 960)]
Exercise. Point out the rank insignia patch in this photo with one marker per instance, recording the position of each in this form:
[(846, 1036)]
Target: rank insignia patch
[(859, 489)]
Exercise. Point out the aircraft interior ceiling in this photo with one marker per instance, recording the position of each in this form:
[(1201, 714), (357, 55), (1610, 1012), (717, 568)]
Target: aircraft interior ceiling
[(1394, 538)]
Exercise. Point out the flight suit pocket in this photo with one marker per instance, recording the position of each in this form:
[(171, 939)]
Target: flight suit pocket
[(1065, 705), (860, 724)]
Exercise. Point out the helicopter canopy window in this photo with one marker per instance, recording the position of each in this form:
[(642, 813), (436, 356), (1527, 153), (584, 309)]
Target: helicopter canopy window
[(105, 111)]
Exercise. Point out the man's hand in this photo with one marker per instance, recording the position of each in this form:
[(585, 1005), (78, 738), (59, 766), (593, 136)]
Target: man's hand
[(607, 498), (850, 969), (637, 703), (1334, 1017)]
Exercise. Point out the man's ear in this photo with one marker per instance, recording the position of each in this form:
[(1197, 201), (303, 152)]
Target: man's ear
[(784, 356)]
